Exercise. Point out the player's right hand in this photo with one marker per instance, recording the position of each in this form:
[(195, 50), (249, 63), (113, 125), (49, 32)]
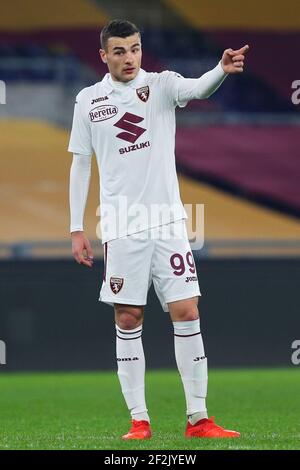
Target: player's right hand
[(81, 249)]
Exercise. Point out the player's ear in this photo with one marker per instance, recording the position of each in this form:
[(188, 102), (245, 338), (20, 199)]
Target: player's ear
[(102, 54)]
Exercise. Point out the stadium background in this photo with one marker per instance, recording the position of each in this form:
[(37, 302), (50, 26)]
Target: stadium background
[(237, 153)]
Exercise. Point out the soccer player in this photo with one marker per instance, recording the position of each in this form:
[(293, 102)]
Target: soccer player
[(128, 120)]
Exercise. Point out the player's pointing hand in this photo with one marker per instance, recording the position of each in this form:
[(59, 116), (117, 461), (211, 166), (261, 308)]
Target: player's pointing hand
[(233, 60)]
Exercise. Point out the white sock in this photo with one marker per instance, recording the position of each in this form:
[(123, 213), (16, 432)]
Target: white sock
[(131, 371), (192, 366)]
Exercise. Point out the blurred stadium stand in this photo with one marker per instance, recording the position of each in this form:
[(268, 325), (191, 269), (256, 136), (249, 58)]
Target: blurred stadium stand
[(237, 153), (236, 141)]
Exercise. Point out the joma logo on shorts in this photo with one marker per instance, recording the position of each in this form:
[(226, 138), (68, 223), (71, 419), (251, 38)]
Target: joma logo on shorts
[(190, 278)]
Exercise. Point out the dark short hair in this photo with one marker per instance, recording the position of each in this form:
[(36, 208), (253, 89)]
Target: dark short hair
[(117, 28)]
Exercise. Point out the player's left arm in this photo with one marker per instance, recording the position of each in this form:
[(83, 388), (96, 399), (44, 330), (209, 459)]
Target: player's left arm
[(201, 88)]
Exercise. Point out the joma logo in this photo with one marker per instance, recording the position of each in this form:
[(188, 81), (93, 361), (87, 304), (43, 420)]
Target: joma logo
[(101, 98)]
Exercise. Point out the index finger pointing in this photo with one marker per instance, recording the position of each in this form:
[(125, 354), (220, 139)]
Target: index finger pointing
[(243, 50)]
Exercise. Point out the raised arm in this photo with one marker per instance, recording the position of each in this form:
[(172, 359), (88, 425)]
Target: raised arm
[(80, 174), (200, 88)]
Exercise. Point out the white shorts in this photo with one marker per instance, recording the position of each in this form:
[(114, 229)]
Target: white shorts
[(162, 255)]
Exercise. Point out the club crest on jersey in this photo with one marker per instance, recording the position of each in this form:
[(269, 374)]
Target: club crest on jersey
[(116, 284), (143, 93)]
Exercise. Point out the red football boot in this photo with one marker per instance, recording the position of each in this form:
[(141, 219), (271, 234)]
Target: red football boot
[(138, 430), (208, 428)]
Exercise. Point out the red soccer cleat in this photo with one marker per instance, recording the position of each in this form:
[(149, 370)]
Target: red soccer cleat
[(208, 428), (138, 430)]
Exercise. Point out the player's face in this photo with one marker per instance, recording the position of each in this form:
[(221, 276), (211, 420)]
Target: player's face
[(123, 57)]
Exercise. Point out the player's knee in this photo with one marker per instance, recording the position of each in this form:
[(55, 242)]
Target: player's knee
[(128, 318), (127, 321), (185, 310), (189, 315)]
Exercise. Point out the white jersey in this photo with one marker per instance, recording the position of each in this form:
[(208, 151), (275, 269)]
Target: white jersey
[(131, 128)]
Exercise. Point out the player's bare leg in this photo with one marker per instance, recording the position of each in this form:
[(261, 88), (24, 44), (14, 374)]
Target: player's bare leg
[(131, 367), (192, 366)]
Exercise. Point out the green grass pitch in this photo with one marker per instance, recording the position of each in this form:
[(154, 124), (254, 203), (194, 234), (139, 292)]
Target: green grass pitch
[(87, 411)]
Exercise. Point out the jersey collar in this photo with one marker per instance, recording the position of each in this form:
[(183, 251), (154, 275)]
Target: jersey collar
[(110, 85)]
